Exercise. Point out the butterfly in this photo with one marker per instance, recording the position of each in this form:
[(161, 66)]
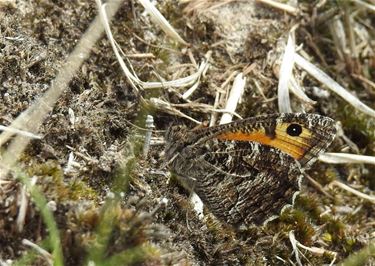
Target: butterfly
[(246, 171)]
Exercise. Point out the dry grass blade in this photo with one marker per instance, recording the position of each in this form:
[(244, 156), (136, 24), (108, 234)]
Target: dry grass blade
[(160, 20), (47, 256), (333, 85), (297, 91), (365, 5), (219, 97), (104, 18), (339, 37), (286, 70), (234, 98), (22, 209), (132, 77), (33, 117), (203, 67), (168, 108), (20, 132), (284, 7), (337, 158), (293, 241)]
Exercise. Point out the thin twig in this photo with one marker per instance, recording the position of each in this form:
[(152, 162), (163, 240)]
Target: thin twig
[(317, 186)]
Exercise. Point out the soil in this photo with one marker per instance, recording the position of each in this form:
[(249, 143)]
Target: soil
[(115, 206)]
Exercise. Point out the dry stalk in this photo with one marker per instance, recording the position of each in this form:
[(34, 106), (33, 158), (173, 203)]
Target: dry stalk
[(287, 81), (317, 186), (22, 210), (339, 37), (296, 89), (216, 105), (220, 97)]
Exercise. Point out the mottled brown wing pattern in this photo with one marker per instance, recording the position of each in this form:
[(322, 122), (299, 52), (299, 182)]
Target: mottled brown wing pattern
[(246, 171)]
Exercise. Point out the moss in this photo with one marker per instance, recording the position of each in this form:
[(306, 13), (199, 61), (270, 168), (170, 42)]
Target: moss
[(364, 257), (51, 175), (331, 174), (120, 237), (350, 244), (30, 258), (49, 168), (54, 186), (336, 229), (309, 204), (79, 190), (140, 255), (327, 237), (357, 125), (88, 219), (297, 220)]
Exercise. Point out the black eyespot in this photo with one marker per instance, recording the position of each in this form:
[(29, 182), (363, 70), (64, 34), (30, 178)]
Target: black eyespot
[(294, 130)]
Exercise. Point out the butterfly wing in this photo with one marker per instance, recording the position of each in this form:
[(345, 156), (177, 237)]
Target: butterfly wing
[(261, 179), (302, 136), (248, 170)]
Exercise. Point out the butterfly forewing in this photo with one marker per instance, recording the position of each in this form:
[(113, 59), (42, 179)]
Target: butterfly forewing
[(302, 136)]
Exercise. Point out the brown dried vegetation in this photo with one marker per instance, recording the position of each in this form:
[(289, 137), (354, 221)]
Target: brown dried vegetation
[(108, 205)]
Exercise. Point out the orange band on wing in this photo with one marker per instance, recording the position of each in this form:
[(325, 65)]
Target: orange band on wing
[(241, 136), (283, 143)]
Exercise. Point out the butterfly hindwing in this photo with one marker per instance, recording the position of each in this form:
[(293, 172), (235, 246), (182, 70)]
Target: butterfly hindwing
[(260, 175)]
